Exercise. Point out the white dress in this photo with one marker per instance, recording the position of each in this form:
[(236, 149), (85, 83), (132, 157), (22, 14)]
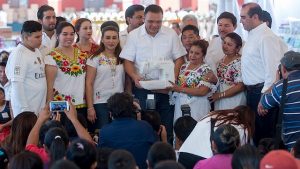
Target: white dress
[(199, 105), (228, 76)]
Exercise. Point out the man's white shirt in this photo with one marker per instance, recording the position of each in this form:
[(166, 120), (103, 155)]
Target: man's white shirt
[(47, 44), (141, 47), (123, 37), (261, 56), (26, 69)]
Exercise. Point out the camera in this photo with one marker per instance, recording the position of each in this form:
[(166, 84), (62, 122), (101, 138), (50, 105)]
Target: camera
[(59, 106), (186, 110), (150, 102)]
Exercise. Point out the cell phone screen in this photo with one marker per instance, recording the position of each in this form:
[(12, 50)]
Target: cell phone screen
[(59, 106)]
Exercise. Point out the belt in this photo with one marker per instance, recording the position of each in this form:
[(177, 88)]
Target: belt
[(255, 86)]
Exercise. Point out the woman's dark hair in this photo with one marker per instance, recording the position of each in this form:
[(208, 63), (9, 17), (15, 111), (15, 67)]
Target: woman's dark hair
[(184, 126), (169, 164), (64, 164), (153, 118), (121, 159), (158, 152), (82, 153), (56, 142), (203, 44), (46, 127), (20, 129), (59, 29), (26, 160), (102, 47), (266, 145), (241, 115), (245, 157), (236, 38), (226, 139), (78, 25), (60, 19)]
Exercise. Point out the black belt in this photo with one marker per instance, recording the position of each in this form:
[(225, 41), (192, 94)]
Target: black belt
[(256, 86)]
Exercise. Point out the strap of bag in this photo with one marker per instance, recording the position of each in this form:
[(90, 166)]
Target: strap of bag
[(280, 114)]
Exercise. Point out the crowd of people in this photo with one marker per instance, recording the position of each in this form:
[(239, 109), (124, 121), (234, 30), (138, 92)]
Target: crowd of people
[(229, 100)]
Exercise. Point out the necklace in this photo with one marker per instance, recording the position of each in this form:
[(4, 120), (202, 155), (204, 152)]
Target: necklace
[(113, 67)]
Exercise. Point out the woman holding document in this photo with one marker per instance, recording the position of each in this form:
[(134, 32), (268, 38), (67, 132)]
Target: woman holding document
[(191, 87)]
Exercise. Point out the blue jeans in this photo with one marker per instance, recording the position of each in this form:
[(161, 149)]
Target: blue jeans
[(264, 125), (163, 107)]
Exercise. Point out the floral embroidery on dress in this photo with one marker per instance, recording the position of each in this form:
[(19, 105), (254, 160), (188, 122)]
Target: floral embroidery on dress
[(93, 49), (192, 78), (59, 96), (74, 67), (231, 73), (103, 60)]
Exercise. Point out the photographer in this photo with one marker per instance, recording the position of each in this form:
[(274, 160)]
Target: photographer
[(290, 66)]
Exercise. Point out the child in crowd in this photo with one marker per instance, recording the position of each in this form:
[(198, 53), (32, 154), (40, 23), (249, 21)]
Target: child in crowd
[(5, 116)]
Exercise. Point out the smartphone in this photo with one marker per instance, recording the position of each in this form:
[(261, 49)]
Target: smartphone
[(59, 106)]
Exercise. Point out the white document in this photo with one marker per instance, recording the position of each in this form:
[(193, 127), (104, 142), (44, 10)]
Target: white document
[(157, 75)]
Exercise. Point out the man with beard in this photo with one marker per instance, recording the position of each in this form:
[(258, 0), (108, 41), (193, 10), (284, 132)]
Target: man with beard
[(47, 18), (134, 16)]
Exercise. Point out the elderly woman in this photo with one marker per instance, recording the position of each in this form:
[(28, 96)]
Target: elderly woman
[(191, 87), (231, 88)]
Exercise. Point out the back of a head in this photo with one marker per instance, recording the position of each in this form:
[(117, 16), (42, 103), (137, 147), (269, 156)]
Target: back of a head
[(64, 164), (160, 152), (266, 17), (184, 126), (82, 153), (153, 118), (120, 105), (121, 159), (266, 145), (56, 141), (102, 157), (226, 139), (47, 126), (279, 159), (245, 157), (26, 160), (169, 164)]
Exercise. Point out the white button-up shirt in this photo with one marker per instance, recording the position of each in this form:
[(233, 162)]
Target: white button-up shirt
[(214, 53), (141, 47), (123, 37), (47, 44), (261, 56)]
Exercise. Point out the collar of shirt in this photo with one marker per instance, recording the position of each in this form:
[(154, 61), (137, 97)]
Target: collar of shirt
[(258, 29), (46, 36), (144, 31), (6, 84)]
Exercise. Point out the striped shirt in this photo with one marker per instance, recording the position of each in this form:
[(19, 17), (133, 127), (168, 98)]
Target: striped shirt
[(291, 113)]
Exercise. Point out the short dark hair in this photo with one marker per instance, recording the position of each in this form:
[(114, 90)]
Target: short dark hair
[(3, 64), (192, 28), (132, 9), (26, 160), (64, 164), (266, 17), (227, 15), (169, 164), (103, 154), (236, 38), (184, 126), (31, 26), (120, 105), (42, 9), (153, 118), (160, 152), (203, 44), (226, 138), (154, 9), (82, 153), (254, 9), (60, 19), (47, 126), (121, 159), (246, 156)]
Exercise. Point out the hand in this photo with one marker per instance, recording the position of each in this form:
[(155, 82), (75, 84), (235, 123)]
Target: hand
[(72, 113), (45, 114), (91, 115), (261, 110), (211, 78), (214, 97), (136, 80), (174, 87), (163, 134), (57, 116)]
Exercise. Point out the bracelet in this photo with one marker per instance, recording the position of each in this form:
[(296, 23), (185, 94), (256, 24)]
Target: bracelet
[(221, 95), (90, 108)]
